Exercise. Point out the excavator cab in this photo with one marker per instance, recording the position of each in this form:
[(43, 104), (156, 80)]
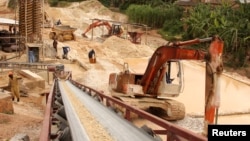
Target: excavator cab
[(171, 84), (116, 29)]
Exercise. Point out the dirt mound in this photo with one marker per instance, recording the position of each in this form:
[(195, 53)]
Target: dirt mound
[(79, 15), (19, 123), (122, 48), (94, 7)]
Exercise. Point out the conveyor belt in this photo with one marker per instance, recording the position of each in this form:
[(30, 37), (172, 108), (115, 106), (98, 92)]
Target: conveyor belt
[(119, 128), (78, 132)]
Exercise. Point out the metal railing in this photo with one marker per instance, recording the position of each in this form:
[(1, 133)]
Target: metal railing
[(46, 128), (22, 65)]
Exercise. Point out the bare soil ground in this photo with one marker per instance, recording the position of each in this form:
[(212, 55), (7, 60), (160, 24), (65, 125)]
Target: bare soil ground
[(29, 112), (27, 119), (111, 54)]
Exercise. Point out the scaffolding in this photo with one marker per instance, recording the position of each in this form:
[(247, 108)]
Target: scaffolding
[(30, 19)]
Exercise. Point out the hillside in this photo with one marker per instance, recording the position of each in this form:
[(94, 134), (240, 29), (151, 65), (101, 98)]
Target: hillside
[(111, 54)]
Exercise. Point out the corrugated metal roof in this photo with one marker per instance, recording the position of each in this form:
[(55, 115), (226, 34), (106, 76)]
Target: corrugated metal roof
[(5, 21)]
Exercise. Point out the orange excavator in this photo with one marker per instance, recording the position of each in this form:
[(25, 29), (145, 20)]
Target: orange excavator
[(114, 29), (162, 80)]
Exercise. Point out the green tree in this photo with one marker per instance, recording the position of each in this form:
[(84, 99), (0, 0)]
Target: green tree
[(231, 24)]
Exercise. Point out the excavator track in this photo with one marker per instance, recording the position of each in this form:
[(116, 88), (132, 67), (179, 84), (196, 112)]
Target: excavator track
[(167, 109), (175, 111)]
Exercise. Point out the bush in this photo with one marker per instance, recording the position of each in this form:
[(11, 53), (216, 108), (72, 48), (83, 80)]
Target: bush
[(53, 3), (105, 2), (232, 25), (12, 4), (63, 4)]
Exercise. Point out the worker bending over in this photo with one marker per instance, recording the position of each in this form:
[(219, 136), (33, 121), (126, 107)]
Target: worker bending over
[(92, 57), (14, 86), (66, 50)]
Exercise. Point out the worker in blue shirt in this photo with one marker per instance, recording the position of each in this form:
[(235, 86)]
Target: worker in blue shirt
[(66, 50)]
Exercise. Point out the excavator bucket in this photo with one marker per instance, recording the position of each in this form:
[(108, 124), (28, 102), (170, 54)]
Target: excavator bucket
[(214, 68)]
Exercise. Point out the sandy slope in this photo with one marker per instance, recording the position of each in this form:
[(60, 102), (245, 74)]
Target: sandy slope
[(111, 55), (113, 52)]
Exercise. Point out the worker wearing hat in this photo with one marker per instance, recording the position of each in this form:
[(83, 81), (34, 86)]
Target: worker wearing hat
[(14, 85)]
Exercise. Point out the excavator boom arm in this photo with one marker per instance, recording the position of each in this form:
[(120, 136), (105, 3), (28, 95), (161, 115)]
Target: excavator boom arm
[(97, 24), (189, 42), (169, 52)]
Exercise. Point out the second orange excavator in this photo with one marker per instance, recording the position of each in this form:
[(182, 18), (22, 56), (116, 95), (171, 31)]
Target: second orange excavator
[(114, 29)]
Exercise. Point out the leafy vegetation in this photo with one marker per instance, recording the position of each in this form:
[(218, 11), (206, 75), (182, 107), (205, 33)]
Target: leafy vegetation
[(232, 25), (62, 3), (203, 20), (154, 16)]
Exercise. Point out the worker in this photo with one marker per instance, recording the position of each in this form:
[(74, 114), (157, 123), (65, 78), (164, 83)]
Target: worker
[(66, 50), (55, 45), (14, 30), (91, 53), (168, 79), (14, 85), (58, 22), (92, 56), (11, 28), (31, 56)]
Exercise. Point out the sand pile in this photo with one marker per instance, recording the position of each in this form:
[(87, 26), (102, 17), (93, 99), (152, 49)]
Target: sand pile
[(79, 15), (124, 48), (96, 7), (97, 10)]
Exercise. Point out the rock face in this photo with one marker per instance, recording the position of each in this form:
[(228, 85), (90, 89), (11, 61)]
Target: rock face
[(6, 105)]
